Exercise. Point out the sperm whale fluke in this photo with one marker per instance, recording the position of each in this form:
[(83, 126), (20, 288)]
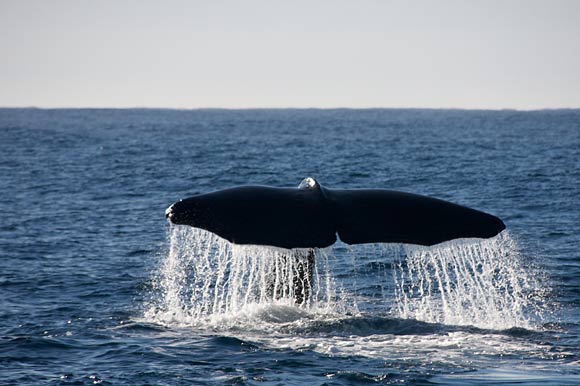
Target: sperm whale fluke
[(311, 216)]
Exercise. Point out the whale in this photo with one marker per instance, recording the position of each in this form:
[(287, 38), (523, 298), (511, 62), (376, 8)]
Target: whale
[(313, 216)]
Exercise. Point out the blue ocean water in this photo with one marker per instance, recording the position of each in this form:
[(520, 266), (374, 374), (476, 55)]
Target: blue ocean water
[(88, 263)]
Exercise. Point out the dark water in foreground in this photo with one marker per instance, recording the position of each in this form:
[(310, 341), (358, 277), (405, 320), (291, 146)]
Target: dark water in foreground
[(85, 248)]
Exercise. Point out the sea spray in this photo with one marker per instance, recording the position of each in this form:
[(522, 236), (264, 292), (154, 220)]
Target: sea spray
[(204, 278), (483, 283)]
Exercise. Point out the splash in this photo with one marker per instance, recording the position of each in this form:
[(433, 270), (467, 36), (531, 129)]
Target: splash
[(206, 278), (483, 283)]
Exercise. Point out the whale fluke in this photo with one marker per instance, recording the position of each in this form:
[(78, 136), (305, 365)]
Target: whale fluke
[(312, 216)]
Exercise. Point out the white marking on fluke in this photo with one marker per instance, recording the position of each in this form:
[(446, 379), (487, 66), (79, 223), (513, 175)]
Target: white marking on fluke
[(308, 183)]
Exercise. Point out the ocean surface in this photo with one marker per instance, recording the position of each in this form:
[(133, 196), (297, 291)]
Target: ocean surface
[(97, 288)]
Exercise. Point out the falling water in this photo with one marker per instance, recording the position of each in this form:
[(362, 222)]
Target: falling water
[(482, 283), (204, 276)]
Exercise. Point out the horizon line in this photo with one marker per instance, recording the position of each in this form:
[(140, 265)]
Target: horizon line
[(283, 108)]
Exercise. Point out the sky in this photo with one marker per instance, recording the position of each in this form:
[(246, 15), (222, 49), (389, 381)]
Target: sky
[(243, 54)]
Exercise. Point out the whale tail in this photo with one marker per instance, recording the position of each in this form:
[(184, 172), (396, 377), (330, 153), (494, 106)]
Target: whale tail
[(312, 216)]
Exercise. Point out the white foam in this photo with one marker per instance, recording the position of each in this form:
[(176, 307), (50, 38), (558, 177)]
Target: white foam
[(452, 348)]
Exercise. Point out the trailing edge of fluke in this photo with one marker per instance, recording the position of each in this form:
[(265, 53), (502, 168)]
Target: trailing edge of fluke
[(311, 216)]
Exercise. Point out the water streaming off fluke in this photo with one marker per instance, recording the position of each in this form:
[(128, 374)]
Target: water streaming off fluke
[(483, 283), (206, 279)]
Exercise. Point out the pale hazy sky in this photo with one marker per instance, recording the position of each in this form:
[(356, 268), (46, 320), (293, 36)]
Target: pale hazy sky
[(187, 54)]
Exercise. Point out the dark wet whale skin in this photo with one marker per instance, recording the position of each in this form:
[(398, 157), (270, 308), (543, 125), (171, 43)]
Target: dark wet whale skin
[(311, 216)]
